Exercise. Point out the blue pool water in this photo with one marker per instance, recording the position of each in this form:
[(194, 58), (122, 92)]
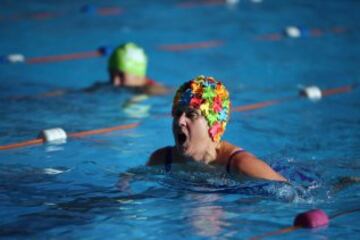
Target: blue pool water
[(77, 190)]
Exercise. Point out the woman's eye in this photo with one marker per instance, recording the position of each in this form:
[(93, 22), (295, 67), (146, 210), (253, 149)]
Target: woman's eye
[(178, 113), (192, 115)]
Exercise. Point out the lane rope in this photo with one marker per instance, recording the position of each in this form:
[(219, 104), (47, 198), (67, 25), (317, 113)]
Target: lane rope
[(88, 9), (289, 32), (296, 32), (209, 3), (311, 219), (65, 57), (192, 4), (42, 140), (324, 93), (189, 46), (103, 51), (243, 108), (20, 58)]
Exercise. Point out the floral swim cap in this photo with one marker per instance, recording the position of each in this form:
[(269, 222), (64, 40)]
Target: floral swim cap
[(129, 58), (211, 98)]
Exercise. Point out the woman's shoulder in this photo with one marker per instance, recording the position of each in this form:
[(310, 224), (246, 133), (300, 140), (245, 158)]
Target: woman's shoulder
[(228, 148), (153, 87), (159, 156), (226, 151)]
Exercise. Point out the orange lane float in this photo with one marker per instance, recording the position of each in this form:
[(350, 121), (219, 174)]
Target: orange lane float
[(88, 9), (312, 92), (296, 32), (64, 57), (59, 132), (314, 218), (189, 46)]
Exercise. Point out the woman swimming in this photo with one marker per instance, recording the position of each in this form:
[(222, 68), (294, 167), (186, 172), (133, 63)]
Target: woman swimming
[(200, 111)]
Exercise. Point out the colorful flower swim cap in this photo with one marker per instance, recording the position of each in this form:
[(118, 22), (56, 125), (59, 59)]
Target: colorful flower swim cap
[(211, 98), (129, 58)]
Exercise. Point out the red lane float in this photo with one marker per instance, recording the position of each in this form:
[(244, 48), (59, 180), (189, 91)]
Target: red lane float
[(65, 57), (314, 218), (47, 15), (42, 140), (248, 107), (192, 4), (189, 46), (298, 32)]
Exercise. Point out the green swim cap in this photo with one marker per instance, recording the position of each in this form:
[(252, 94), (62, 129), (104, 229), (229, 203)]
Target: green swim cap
[(129, 58)]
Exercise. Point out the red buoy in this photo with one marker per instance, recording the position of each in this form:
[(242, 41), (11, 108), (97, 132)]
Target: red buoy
[(312, 219)]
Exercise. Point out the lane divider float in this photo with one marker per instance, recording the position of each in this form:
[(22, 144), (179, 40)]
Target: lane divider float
[(20, 58), (88, 9), (296, 32), (192, 4), (50, 135), (314, 218), (105, 50), (207, 3), (312, 93), (58, 135), (189, 46)]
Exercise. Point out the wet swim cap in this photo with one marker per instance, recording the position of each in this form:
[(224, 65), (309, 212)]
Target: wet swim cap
[(211, 98), (129, 58)]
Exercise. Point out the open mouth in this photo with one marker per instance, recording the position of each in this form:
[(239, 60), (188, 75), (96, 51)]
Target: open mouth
[(181, 137)]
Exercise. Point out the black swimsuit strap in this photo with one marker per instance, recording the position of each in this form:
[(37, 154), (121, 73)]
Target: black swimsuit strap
[(168, 159), (228, 165)]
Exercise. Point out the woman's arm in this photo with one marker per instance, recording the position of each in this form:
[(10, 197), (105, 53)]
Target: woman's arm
[(247, 164)]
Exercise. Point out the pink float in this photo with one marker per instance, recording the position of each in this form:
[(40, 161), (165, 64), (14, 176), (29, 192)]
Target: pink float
[(312, 219)]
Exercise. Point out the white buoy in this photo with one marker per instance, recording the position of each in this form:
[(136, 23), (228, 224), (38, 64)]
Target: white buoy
[(293, 32), (54, 135), (16, 57), (311, 92)]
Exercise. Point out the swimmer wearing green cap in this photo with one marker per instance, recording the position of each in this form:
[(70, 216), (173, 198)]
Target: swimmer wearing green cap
[(127, 67), (200, 111)]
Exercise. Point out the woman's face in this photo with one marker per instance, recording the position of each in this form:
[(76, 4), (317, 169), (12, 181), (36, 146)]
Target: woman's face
[(190, 130), (120, 79), (117, 78)]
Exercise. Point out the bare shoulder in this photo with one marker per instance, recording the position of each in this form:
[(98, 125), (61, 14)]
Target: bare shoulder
[(158, 157), (249, 165), (157, 90)]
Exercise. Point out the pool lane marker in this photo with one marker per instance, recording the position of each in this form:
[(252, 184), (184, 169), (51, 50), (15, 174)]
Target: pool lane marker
[(314, 218), (189, 46), (20, 58), (248, 107), (207, 3), (102, 51), (313, 93), (58, 135), (192, 4), (88, 9), (296, 32), (65, 57)]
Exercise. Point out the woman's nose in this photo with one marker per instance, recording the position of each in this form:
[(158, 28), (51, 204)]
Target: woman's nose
[(182, 119)]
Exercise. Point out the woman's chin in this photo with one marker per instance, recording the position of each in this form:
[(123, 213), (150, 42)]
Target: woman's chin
[(184, 150)]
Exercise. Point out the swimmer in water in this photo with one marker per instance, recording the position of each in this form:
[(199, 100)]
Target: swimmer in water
[(127, 67), (200, 111)]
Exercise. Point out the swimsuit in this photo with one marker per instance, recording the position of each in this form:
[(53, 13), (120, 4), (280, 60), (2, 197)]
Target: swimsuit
[(150, 82), (228, 165), (169, 159)]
